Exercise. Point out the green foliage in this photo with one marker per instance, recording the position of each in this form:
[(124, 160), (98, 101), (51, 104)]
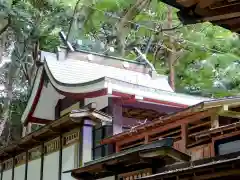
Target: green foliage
[(194, 44), (28, 24)]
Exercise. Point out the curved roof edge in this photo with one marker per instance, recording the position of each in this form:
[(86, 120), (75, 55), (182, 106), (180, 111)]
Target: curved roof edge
[(36, 89)]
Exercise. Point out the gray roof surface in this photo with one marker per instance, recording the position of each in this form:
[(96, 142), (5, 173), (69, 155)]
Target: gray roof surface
[(72, 71)]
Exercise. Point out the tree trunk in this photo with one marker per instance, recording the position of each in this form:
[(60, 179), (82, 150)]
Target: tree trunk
[(124, 25), (8, 100), (171, 57), (80, 17)]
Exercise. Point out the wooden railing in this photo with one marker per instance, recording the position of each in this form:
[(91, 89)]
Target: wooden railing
[(135, 174)]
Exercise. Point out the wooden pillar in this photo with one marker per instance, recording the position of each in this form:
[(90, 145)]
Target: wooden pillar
[(26, 166), (146, 140), (60, 158), (212, 148), (79, 148), (29, 128), (214, 121), (117, 148), (24, 131), (13, 167), (1, 171), (42, 161), (184, 135), (86, 139)]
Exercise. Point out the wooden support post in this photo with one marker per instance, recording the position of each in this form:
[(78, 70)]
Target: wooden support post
[(117, 148), (146, 139), (212, 149), (13, 167), (60, 158), (24, 131), (26, 166), (79, 153), (42, 161), (29, 128), (184, 135), (214, 121), (1, 171)]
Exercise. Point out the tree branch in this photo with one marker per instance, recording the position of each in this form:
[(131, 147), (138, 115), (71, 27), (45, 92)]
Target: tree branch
[(4, 28), (71, 23)]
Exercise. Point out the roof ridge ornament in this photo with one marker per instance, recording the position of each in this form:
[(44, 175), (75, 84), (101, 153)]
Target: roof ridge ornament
[(142, 58), (65, 41)]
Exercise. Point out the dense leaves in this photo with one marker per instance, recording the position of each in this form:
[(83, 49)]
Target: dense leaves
[(205, 56), (27, 26)]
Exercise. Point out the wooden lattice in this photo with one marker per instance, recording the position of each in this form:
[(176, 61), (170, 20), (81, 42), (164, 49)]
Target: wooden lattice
[(8, 164), (52, 146), (141, 114), (135, 174), (70, 138)]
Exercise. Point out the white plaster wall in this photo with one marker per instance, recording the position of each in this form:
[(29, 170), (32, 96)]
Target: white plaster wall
[(101, 101), (87, 144), (68, 162), (50, 167), (34, 169), (117, 119), (7, 175), (19, 172), (46, 105)]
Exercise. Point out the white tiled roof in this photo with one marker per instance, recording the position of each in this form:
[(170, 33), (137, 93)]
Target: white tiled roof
[(71, 71), (77, 72)]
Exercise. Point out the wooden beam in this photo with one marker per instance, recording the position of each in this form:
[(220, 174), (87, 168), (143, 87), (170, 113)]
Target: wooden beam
[(236, 29), (236, 133), (218, 130), (176, 155), (224, 111), (221, 17), (200, 125), (35, 139), (218, 174), (53, 130), (232, 114), (206, 3), (187, 3), (154, 130), (184, 135)]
